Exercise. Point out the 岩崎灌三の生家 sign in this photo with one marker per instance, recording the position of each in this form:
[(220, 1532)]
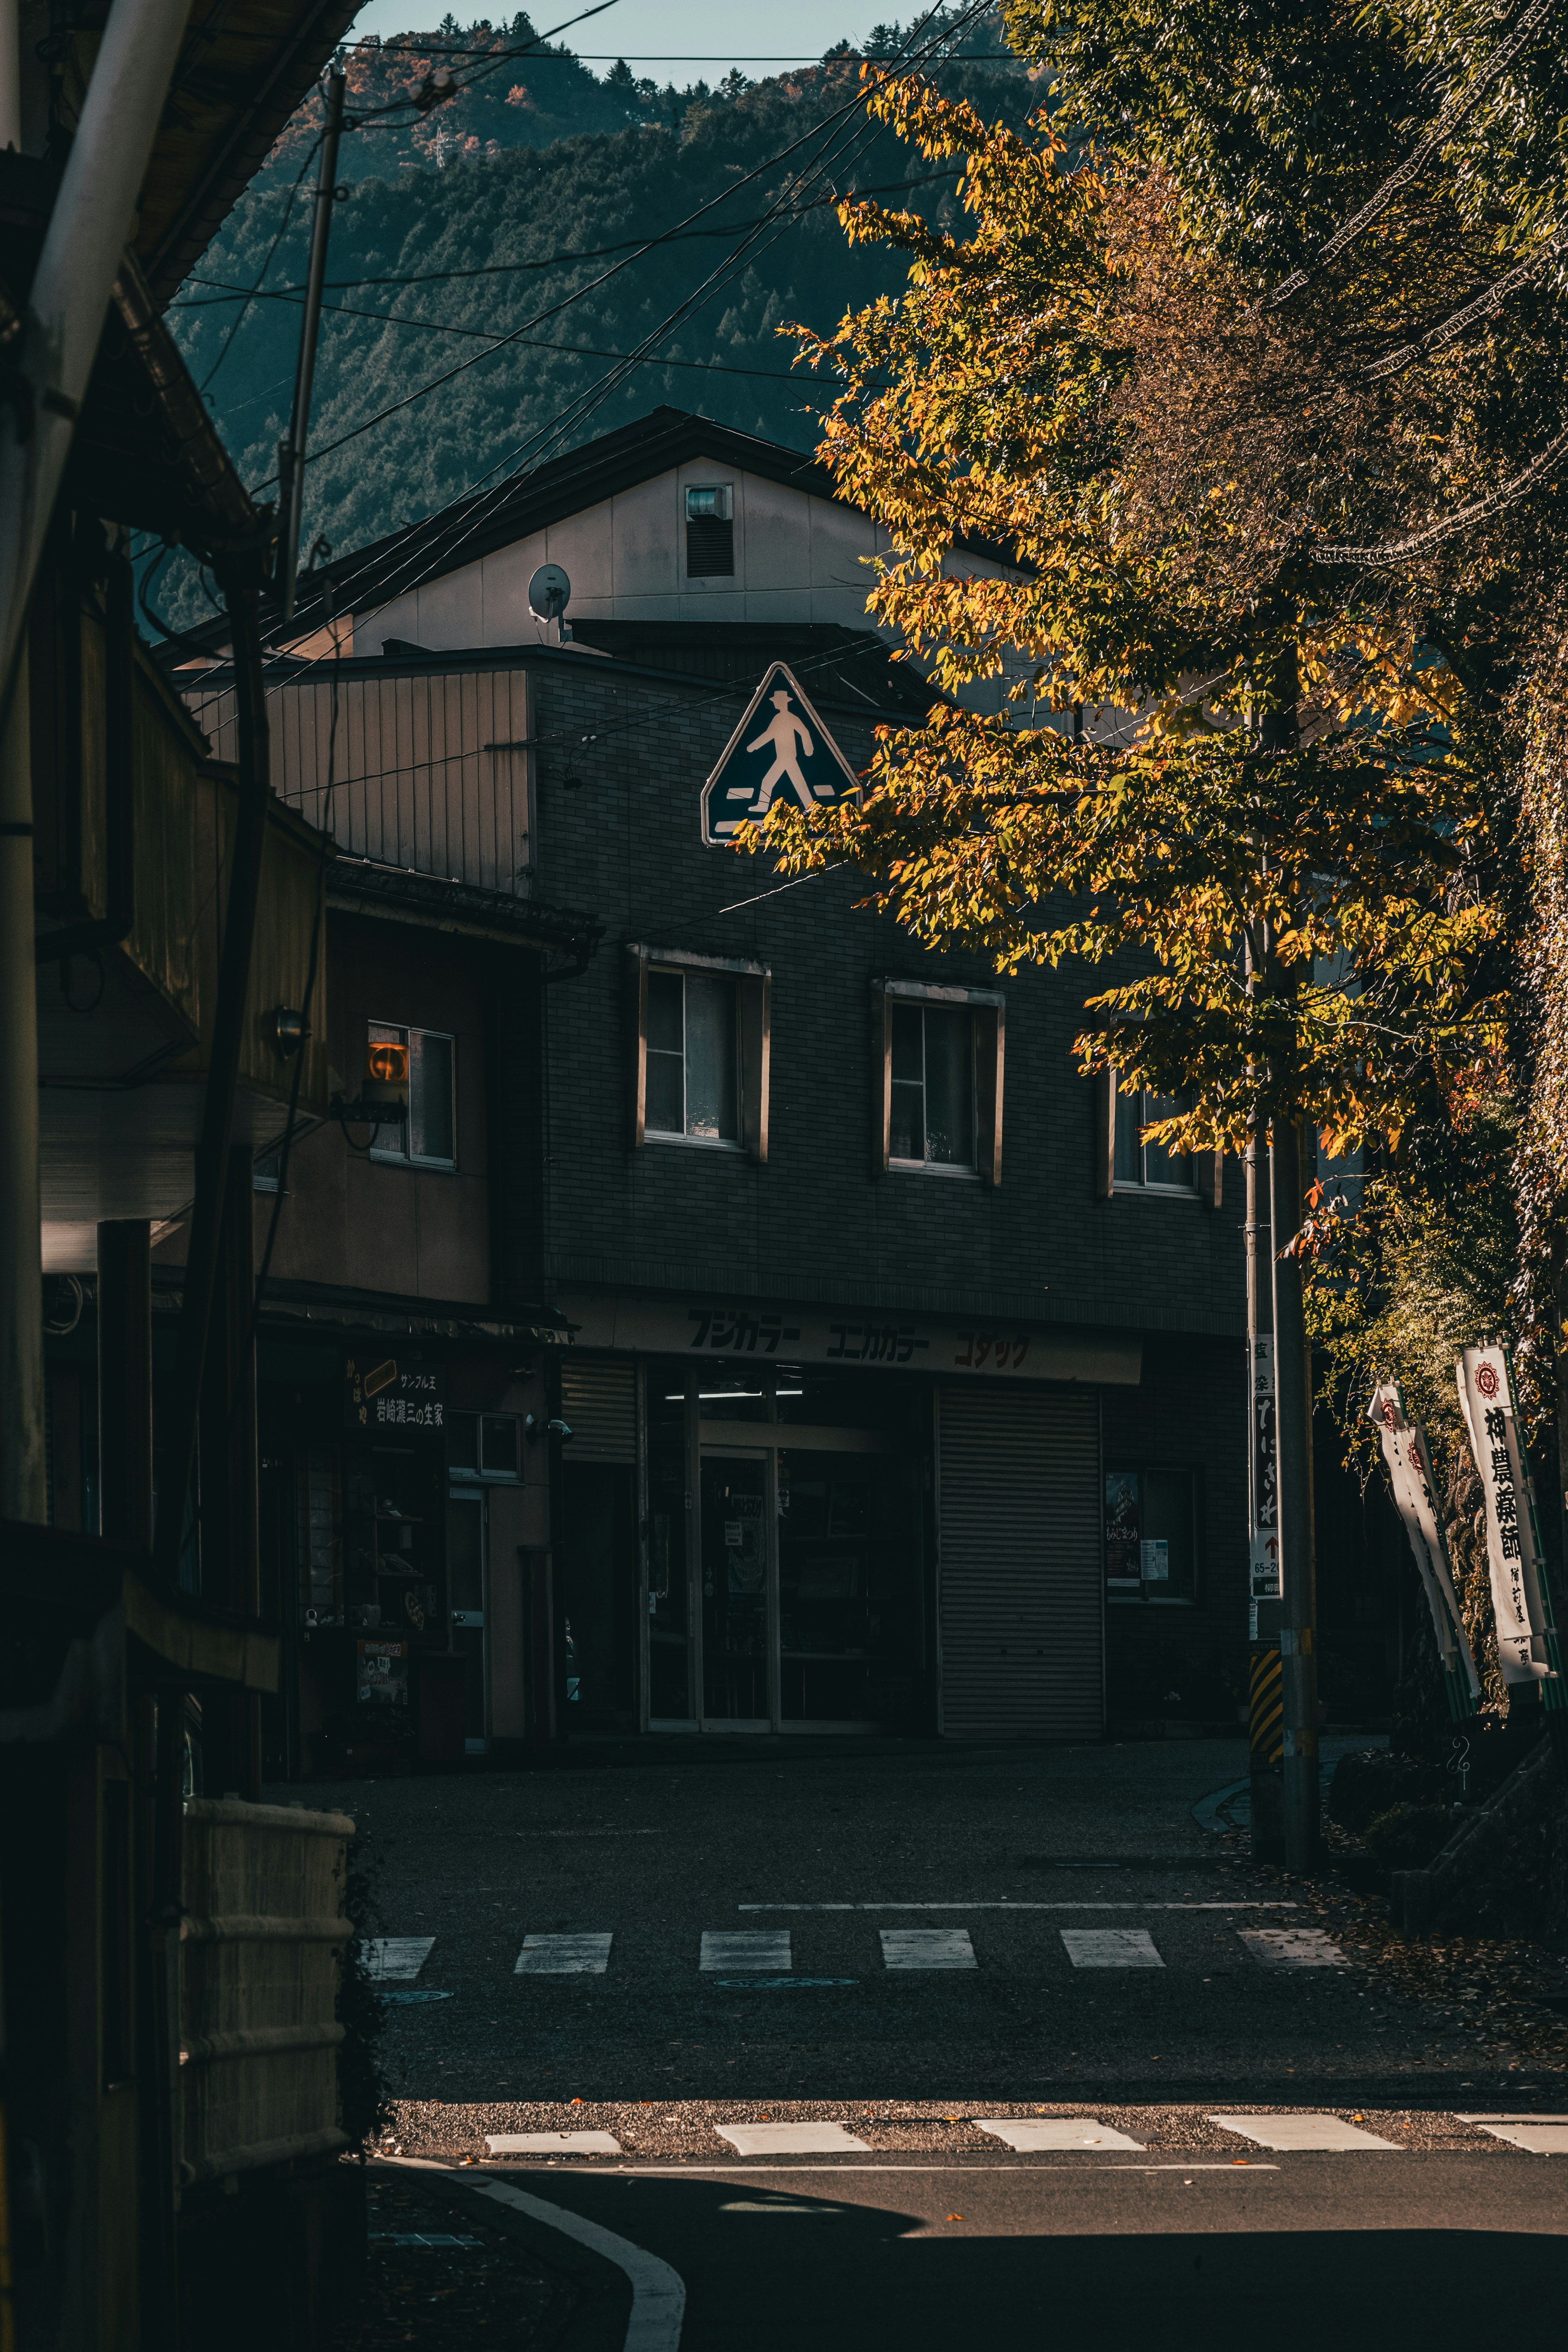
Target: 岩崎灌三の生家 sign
[(387, 1393), (781, 752)]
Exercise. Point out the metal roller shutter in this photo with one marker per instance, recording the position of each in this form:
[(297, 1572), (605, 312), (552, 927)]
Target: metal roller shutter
[(599, 1405), (1021, 1581)]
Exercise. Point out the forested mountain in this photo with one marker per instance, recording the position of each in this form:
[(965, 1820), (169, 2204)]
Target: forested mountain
[(437, 259)]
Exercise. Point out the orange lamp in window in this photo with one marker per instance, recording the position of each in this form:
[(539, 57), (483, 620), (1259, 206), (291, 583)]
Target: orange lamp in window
[(385, 1071)]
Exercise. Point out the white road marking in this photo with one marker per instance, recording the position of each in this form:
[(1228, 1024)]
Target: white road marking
[(1292, 1947), (1541, 2135), (1111, 1947), (1301, 2130), (755, 2205), (659, 2293), (791, 2139), (588, 2143), (396, 1959), (927, 1948), (765, 1949), (1030, 2132), (1239, 1902), (563, 1955)]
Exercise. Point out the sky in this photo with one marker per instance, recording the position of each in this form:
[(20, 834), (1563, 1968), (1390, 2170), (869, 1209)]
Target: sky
[(669, 40)]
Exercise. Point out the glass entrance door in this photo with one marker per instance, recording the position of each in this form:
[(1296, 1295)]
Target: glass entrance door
[(737, 1591)]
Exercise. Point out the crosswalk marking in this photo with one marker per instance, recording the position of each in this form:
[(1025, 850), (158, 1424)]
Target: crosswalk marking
[(1053, 2131), (583, 2143), (1541, 2135), (563, 1955), (396, 1959), (927, 1948), (1292, 1947), (1301, 2131), (791, 2139), (764, 1950), (1111, 1947)]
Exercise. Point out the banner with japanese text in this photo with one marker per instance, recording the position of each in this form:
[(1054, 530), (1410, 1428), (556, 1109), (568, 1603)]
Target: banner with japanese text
[(1513, 1561), (1409, 1466)]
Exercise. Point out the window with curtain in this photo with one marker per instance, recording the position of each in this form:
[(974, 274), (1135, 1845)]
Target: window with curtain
[(932, 1082), (693, 1077)]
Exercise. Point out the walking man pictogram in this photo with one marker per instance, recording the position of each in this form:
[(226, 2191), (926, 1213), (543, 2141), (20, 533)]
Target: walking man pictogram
[(783, 732)]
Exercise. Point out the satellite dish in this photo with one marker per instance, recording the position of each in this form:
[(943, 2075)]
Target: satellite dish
[(548, 593)]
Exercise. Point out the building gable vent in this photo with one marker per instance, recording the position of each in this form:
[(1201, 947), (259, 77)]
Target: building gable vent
[(711, 531)]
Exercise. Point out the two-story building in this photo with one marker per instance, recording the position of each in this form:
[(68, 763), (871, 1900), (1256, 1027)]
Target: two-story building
[(878, 1374)]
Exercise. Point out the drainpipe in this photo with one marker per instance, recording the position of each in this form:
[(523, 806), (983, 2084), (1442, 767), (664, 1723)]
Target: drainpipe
[(21, 1276), (93, 216)]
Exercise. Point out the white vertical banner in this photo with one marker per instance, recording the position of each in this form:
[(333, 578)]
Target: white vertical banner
[(1486, 1394), (1409, 1466)]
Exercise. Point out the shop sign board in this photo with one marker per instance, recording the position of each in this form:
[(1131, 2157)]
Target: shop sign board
[(395, 1394), (856, 1338), (780, 754)]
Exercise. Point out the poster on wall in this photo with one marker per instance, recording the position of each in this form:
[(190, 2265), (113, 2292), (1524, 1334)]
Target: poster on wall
[(1409, 1464)]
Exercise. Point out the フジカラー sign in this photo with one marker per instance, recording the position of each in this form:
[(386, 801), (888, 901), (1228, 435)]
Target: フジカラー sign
[(1409, 1466), (780, 753), (394, 1392), (854, 1339), (1513, 1552)]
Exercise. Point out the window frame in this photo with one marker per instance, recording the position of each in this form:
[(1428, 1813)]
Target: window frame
[(478, 1475), (988, 1008), (754, 1048), (406, 1031), (1208, 1185), (1120, 1595)]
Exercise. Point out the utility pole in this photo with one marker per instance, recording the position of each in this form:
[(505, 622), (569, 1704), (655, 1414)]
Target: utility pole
[(291, 453), (1293, 1405), (1266, 1694)]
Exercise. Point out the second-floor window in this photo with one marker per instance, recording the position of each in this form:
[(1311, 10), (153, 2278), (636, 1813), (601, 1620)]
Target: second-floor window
[(932, 1086), (429, 1139), (693, 1057), (1141, 1164)]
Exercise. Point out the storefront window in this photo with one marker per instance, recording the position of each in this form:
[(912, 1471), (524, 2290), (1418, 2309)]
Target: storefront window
[(1150, 1547)]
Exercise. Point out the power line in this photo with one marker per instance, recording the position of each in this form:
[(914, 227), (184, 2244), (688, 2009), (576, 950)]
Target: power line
[(534, 343), (551, 310), (556, 260), (473, 518), (1468, 97), (1403, 551)]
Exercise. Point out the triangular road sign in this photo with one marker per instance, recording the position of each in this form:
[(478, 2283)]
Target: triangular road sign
[(780, 751)]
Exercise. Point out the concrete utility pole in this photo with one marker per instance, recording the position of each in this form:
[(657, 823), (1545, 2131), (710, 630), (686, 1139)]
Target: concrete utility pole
[(1264, 1711), (1293, 1411), (1280, 734)]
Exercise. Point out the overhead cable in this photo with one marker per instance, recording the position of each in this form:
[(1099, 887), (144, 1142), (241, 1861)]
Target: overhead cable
[(1403, 551), (1463, 103)]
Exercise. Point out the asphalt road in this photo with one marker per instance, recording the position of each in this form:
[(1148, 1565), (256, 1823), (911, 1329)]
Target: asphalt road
[(1013, 1862)]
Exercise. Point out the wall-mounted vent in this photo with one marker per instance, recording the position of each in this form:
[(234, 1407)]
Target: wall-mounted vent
[(711, 531)]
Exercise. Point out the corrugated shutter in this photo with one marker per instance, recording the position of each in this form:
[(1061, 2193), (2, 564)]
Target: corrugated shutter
[(599, 1405), (1021, 1586)]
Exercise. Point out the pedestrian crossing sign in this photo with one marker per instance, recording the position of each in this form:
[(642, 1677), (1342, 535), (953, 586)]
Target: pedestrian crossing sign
[(781, 752)]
